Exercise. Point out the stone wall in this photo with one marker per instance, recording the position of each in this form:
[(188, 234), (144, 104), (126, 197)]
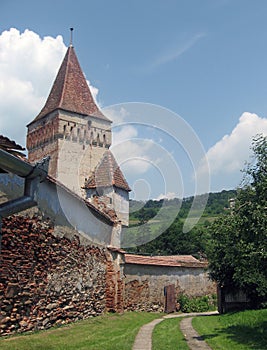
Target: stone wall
[(50, 280), (144, 285)]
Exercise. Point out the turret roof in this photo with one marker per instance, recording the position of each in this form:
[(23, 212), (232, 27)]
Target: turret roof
[(107, 173), (70, 90)]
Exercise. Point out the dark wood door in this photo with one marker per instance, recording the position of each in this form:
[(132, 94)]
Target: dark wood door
[(170, 298)]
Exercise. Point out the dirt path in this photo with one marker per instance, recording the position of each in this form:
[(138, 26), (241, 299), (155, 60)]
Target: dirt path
[(194, 341), (143, 340)]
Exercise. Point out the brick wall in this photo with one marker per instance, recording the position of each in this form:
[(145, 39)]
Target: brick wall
[(51, 277), (46, 280), (42, 141), (115, 282)]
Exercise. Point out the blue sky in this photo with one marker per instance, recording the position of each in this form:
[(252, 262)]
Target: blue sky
[(205, 61)]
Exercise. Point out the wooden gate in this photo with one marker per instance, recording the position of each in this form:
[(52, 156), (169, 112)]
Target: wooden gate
[(170, 298)]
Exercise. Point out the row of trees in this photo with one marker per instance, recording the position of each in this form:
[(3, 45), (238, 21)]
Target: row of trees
[(236, 242), (237, 247)]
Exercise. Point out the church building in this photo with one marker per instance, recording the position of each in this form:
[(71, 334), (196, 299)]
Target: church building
[(71, 266), (76, 135)]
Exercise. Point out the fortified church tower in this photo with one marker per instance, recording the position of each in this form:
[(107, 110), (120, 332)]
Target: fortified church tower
[(76, 135)]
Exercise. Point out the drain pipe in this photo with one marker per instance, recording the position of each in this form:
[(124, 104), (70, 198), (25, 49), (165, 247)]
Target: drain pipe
[(33, 176)]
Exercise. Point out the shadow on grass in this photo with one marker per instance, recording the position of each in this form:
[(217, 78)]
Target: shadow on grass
[(254, 337)]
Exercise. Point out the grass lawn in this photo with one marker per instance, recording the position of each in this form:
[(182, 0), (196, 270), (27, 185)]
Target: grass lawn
[(167, 335), (108, 332), (244, 330)]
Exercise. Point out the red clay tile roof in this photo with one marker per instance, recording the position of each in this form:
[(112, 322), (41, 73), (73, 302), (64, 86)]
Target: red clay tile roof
[(107, 173), (7, 144), (174, 260), (70, 90), (11, 147)]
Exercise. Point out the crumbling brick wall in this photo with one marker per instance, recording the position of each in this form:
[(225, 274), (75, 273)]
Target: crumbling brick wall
[(137, 295), (47, 280), (144, 285)]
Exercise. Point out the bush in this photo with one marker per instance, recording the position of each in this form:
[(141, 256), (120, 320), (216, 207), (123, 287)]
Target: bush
[(197, 304)]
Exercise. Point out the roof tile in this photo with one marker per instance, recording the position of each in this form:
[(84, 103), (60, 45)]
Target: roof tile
[(11, 147), (70, 90), (174, 260), (6, 143), (107, 173)]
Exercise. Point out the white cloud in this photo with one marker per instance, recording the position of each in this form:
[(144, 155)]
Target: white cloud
[(123, 133), (228, 156), (28, 67), (116, 114), (168, 195), (130, 152), (134, 155), (94, 91)]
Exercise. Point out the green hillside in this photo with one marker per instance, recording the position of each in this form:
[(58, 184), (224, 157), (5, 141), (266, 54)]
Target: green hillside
[(161, 223), (217, 203)]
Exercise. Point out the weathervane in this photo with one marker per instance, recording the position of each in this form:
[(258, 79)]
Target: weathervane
[(71, 36)]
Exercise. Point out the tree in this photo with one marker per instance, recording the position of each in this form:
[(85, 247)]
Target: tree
[(173, 241), (237, 249)]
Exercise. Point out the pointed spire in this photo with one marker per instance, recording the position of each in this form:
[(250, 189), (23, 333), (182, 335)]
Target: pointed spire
[(71, 37), (70, 90)]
